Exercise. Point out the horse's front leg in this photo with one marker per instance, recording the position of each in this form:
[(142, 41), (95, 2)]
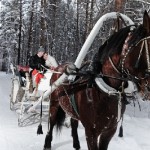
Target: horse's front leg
[(105, 139), (49, 136), (91, 138), (74, 126)]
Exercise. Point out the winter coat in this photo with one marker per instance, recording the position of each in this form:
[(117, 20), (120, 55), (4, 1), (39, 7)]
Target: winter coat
[(35, 62), (51, 62)]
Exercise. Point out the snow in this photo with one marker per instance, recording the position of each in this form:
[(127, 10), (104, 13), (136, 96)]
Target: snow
[(136, 128)]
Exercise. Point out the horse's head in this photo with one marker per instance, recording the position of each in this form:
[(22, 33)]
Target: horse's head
[(58, 71), (136, 55), (68, 68)]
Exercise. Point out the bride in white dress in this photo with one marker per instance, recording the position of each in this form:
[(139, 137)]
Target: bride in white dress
[(50, 61)]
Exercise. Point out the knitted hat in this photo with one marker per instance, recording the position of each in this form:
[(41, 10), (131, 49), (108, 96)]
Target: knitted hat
[(41, 49)]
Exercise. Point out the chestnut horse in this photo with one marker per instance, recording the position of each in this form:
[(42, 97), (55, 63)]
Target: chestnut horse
[(123, 57)]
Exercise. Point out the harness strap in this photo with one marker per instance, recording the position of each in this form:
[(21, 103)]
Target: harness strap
[(72, 90), (147, 55), (115, 68), (73, 103), (137, 62), (146, 38), (70, 94), (52, 71), (144, 41), (119, 106)]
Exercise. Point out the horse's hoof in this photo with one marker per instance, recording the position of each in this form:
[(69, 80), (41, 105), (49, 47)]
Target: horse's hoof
[(47, 149), (77, 147)]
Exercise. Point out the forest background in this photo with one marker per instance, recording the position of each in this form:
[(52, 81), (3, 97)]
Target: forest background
[(60, 26)]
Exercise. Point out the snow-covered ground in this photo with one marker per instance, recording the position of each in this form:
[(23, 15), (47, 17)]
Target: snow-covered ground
[(12, 137)]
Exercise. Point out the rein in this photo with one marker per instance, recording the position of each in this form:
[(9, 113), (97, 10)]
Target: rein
[(147, 55), (144, 42), (113, 65), (89, 74), (51, 71)]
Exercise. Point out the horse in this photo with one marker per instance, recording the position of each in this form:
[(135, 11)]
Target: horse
[(123, 57)]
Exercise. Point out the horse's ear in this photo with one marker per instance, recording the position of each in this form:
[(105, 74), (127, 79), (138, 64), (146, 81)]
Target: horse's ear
[(146, 21)]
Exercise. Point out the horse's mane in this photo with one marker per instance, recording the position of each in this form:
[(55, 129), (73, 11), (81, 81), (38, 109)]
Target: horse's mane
[(115, 43)]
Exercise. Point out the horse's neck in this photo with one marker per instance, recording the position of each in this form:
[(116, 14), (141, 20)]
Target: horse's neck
[(110, 70)]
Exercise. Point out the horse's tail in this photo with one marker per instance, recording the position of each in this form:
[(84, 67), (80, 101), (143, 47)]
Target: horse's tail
[(60, 118)]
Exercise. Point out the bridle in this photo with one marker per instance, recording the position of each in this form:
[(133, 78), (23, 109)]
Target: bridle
[(124, 73), (125, 52), (144, 43)]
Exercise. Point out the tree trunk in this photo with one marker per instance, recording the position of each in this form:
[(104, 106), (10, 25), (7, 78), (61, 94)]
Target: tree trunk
[(30, 40), (91, 15), (86, 20), (53, 25), (20, 29), (43, 23), (119, 5), (77, 29)]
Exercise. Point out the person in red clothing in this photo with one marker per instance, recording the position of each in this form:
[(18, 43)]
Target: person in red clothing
[(35, 64)]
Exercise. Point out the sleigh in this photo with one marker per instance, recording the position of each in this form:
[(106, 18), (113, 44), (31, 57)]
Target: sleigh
[(21, 99)]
